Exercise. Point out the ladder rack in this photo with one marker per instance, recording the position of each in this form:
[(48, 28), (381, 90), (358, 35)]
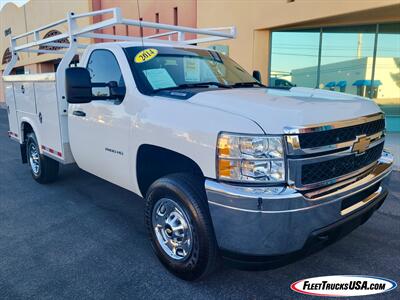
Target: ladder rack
[(74, 33)]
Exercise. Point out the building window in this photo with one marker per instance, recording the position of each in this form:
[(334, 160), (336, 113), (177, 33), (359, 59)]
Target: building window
[(52, 33), (294, 57), (175, 15), (360, 60), (387, 72), (6, 56), (19, 71), (346, 57), (157, 19)]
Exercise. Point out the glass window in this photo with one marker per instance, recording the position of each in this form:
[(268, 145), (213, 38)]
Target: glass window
[(294, 57), (387, 74), (346, 59), (347, 63), (103, 68), (169, 68)]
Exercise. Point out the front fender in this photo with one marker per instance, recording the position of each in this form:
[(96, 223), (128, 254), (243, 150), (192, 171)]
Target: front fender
[(188, 129)]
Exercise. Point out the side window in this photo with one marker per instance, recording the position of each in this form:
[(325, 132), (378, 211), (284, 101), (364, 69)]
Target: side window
[(103, 68)]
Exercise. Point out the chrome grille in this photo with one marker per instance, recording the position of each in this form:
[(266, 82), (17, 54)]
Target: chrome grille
[(321, 155), (340, 135), (337, 167)]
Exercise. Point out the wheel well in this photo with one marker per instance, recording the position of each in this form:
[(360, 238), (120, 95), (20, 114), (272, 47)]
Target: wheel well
[(26, 129), (153, 162)]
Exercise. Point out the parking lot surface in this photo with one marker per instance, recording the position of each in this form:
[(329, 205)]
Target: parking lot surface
[(84, 238)]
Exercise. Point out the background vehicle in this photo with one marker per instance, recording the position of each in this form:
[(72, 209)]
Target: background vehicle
[(227, 166), (278, 82)]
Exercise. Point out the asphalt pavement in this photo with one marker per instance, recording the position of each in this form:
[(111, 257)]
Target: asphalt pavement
[(84, 238)]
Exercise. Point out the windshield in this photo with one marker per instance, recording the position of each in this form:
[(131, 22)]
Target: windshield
[(167, 68)]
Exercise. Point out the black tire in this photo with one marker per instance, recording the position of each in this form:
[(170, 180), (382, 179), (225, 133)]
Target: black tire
[(45, 170), (188, 192)]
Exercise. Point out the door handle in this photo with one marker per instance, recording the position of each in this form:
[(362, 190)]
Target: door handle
[(79, 113)]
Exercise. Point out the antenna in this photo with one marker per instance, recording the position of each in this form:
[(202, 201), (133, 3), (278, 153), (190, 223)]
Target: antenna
[(140, 23)]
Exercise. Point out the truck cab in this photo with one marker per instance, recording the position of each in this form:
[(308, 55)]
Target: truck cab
[(227, 166)]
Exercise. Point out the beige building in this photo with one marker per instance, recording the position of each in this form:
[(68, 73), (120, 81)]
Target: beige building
[(313, 43), (256, 20), (15, 20)]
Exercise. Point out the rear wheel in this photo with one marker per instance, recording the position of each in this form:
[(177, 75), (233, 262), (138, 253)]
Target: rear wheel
[(43, 168), (180, 227)]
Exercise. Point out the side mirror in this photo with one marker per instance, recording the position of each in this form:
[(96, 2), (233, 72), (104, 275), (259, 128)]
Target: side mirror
[(116, 92), (78, 85), (257, 75), (107, 91)]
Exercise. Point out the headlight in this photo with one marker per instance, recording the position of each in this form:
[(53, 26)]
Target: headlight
[(247, 158)]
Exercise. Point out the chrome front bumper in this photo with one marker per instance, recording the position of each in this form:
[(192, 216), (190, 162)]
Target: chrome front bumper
[(275, 221)]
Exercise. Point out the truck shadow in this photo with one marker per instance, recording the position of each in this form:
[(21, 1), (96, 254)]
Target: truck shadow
[(120, 214)]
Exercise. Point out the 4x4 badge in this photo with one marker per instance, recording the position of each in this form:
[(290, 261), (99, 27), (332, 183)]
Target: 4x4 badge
[(361, 144)]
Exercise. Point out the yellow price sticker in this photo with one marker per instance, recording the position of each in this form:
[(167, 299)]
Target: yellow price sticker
[(145, 55)]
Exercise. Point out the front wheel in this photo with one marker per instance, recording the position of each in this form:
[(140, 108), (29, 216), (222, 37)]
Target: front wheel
[(43, 168), (180, 227)]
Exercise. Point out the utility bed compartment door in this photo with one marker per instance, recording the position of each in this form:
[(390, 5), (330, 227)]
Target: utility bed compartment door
[(25, 97), (12, 113), (48, 115)]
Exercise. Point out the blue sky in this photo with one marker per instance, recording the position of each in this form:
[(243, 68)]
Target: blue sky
[(18, 2)]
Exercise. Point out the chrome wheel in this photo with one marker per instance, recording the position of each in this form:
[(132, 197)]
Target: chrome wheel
[(34, 158), (172, 228)]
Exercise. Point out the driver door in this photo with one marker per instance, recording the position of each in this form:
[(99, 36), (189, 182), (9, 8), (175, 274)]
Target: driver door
[(99, 131)]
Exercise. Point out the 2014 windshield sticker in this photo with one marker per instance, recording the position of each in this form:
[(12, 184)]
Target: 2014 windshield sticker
[(343, 286), (145, 55)]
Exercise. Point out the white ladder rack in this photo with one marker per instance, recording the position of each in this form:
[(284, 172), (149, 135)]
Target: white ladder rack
[(70, 49)]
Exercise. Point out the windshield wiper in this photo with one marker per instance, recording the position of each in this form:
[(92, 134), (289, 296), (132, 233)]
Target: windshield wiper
[(247, 84), (194, 85)]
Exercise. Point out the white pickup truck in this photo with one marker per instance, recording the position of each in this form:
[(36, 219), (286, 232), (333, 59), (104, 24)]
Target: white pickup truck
[(227, 166)]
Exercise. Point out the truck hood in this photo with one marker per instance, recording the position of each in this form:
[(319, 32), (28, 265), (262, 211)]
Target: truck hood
[(275, 109)]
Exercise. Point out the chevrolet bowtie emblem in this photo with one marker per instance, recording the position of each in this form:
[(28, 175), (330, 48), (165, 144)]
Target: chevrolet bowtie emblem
[(361, 144)]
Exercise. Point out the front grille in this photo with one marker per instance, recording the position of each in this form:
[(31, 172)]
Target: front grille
[(322, 171), (340, 135)]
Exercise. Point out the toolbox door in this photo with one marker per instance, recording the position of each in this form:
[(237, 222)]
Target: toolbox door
[(11, 109)]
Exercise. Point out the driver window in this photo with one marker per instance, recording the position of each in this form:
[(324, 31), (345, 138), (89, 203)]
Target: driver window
[(103, 68)]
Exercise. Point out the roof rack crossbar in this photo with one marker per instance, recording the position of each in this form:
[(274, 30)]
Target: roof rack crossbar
[(110, 37), (93, 31), (45, 51), (168, 33), (54, 24)]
